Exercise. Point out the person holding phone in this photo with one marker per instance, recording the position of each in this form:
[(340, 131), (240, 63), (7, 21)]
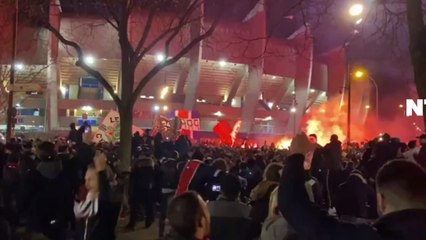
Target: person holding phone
[(229, 217)]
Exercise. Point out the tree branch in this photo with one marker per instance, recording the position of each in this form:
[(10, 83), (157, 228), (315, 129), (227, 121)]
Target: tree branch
[(82, 64), (181, 24), (146, 31), (172, 60)]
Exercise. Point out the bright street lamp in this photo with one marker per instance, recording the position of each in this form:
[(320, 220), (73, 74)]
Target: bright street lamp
[(359, 74), (356, 9)]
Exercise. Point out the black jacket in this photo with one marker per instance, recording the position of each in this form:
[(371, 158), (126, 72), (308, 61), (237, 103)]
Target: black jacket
[(315, 224), (102, 226), (354, 198), (333, 155), (403, 225)]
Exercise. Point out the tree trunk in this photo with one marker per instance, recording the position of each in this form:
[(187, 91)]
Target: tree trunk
[(417, 32), (126, 122)]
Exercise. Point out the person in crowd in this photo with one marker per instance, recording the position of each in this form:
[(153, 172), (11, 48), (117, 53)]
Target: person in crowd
[(198, 155), (189, 218), (147, 139), (260, 197), (96, 207), (401, 200), (275, 226), (421, 156), (411, 151), (28, 161), (213, 187), (195, 176), (142, 190), (167, 180), (314, 139), (73, 135), (355, 200), (229, 217), (183, 145), (70, 172), (252, 173), (333, 153), (158, 146), (45, 195), (137, 142)]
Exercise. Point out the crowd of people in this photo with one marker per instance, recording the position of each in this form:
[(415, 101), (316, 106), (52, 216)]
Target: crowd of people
[(71, 188)]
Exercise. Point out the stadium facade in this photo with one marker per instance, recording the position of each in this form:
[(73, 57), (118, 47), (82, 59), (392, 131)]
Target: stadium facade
[(268, 83)]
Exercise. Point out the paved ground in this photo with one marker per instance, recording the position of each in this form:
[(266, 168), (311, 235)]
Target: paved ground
[(139, 234)]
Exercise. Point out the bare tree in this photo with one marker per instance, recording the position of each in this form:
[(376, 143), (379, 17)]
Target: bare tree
[(117, 14), (417, 33)]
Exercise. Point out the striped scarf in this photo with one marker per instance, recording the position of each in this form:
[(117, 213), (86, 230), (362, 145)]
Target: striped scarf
[(86, 209)]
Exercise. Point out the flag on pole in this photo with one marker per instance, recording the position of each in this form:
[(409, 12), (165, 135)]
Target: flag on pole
[(258, 8)]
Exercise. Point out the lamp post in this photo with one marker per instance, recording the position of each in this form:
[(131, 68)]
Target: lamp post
[(12, 73), (355, 11), (360, 74)]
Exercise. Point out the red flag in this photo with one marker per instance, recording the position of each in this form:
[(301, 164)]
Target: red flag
[(223, 129)]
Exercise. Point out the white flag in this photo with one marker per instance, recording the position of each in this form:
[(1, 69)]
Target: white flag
[(260, 6)]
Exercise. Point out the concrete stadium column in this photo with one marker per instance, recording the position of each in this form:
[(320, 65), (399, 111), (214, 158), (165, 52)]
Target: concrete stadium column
[(251, 100), (236, 83), (304, 65), (194, 60), (52, 71), (256, 20)]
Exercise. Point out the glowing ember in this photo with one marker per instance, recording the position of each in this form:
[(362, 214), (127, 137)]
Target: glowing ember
[(283, 143), (327, 119)]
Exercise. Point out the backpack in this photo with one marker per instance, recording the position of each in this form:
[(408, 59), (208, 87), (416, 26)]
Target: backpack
[(169, 174)]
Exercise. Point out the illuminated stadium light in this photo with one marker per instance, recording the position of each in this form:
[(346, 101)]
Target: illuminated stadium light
[(19, 66), (367, 107), (293, 92), (222, 63), (143, 96), (87, 108), (89, 60), (156, 108), (164, 92), (160, 57), (218, 113), (165, 108), (293, 109)]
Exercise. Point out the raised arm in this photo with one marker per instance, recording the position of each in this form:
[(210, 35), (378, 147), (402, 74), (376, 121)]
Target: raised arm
[(307, 219)]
